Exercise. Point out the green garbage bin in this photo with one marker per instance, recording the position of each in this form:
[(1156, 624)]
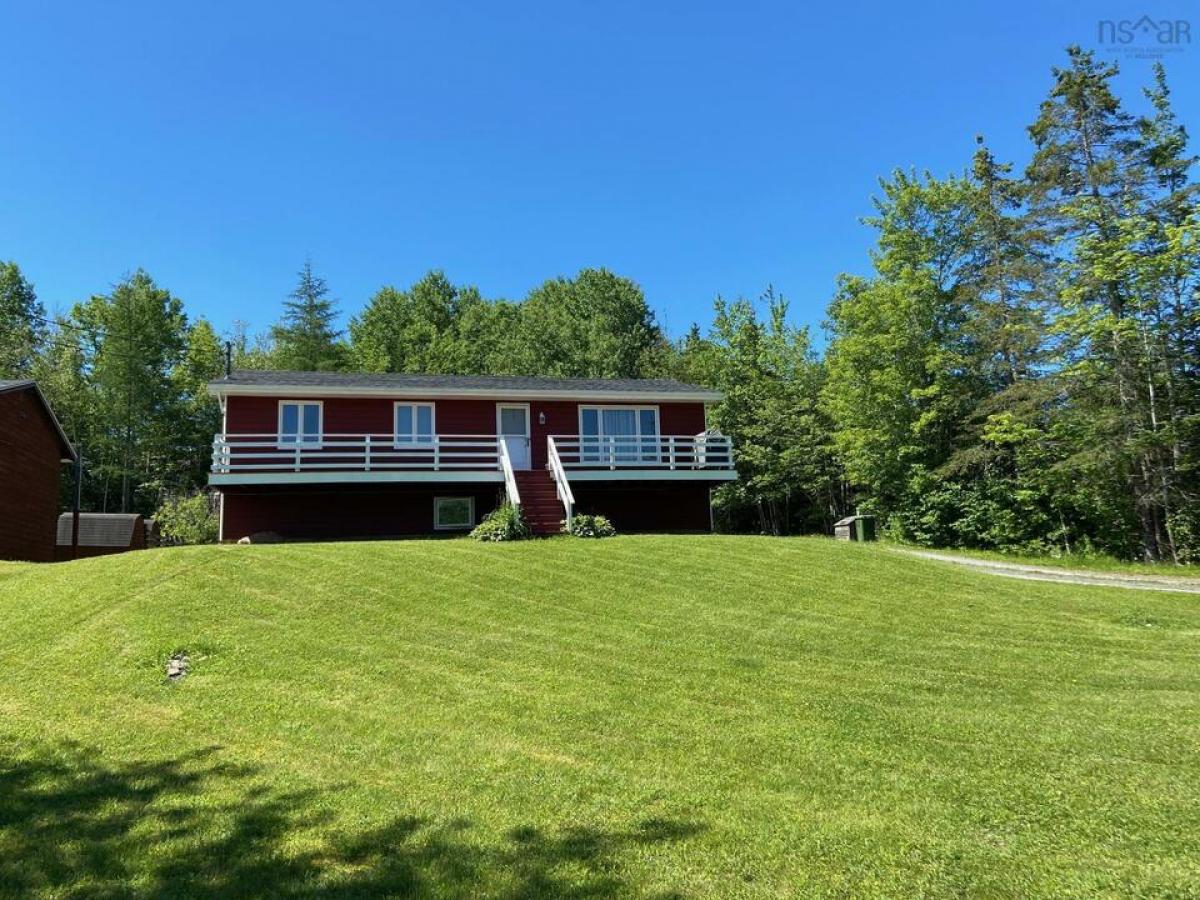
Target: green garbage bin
[(864, 527)]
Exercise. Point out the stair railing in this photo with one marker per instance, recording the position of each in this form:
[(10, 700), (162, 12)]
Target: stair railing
[(562, 486), (510, 477)]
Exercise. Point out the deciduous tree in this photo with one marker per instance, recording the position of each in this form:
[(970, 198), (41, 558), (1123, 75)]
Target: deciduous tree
[(22, 323)]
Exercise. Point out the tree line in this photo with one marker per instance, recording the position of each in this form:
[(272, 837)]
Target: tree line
[(1020, 368), (1018, 371)]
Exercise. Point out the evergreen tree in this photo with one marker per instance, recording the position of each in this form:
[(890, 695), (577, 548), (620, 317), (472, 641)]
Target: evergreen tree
[(992, 491), (1004, 283), (1168, 276), (306, 340), (1091, 189)]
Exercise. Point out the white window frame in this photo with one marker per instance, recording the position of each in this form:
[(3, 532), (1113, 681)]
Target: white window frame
[(637, 410), (302, 444), (408, 445), (438, 526)]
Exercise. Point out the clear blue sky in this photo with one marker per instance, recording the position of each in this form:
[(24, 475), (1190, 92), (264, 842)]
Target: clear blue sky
[(699, 148)]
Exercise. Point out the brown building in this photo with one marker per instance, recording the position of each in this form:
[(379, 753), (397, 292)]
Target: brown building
[(32, 451)]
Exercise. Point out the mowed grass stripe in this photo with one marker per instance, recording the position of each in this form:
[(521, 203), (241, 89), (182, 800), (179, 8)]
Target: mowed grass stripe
[(725, 716)]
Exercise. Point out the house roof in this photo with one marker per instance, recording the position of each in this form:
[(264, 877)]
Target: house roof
[(99, 529), (502, 387), (29, 384)]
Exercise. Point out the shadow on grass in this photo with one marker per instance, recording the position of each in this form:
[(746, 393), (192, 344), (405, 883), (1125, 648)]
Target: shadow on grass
[(194, 826)]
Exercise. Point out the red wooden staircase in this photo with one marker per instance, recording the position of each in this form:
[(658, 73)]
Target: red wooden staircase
[(539, 502)]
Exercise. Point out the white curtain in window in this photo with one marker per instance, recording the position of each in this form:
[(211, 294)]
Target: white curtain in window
[(609, 434), (620, 426)]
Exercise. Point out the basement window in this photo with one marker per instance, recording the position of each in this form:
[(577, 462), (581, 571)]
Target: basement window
[(450, 513)]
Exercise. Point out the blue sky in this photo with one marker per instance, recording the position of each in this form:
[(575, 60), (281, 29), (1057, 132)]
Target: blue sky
[(699, 148)]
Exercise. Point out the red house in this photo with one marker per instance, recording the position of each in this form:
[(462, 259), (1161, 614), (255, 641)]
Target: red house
[(315, 455), (32, 451)]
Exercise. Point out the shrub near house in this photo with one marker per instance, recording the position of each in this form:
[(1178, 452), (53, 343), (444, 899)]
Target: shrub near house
[(188, 520), (591, 527), (504, 523)]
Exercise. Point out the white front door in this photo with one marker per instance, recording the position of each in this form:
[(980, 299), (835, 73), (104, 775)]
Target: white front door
[(512, 423)]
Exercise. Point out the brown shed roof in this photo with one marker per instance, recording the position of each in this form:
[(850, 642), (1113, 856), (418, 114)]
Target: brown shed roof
[(99, 529)]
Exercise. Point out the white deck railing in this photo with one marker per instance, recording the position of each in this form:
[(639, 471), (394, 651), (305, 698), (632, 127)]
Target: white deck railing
[(510, 477), (670, 452), (562, 487), (268, 453), (233, 453)]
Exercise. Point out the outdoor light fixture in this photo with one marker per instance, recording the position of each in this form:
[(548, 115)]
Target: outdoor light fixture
[(541, 418)]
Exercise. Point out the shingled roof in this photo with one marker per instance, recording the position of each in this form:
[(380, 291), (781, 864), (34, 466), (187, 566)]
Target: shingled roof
[(249, 381), (99, 529)]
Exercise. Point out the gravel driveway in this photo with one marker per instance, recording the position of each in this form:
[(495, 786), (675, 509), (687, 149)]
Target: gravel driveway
[(1067, 576)]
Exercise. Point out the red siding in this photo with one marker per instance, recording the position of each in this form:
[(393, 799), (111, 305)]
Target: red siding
[(681, 418), (346, 415), (30, 468), (367, 415)]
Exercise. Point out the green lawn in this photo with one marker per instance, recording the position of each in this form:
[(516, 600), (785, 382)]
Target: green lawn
[(646, 716)]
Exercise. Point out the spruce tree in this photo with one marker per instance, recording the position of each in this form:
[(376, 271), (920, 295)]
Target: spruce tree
[(1167, 267), (306, 339), (1003, 280), (1091, 186)]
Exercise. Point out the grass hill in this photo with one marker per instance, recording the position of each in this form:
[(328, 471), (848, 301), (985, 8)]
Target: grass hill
[(646, 716)]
